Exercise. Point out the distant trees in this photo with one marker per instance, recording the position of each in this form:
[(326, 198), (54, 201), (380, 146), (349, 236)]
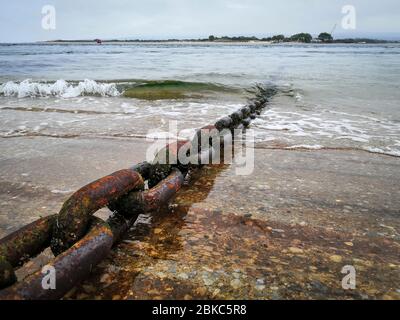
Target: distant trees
[(278, 38), (236, 39), (301, 37), (325, 37)]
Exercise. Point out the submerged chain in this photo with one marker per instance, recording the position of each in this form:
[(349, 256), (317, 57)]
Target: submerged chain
[(79, 240)]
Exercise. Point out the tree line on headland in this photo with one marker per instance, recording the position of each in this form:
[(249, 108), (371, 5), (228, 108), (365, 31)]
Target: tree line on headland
[(299, 37), (323, 37)]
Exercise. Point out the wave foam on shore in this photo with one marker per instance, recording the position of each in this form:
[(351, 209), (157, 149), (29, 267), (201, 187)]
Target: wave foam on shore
[(60, 88)]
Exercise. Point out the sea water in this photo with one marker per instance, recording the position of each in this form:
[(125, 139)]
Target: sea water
[(330, 96)]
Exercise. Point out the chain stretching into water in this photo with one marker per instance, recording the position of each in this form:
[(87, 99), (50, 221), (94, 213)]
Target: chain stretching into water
[(79, 240)]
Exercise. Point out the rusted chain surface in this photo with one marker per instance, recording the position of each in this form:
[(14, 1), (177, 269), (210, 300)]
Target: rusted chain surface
[(72, 221), (81, 241), (96, 241), (28, 241), (21, 245), (7, 275), (139, 202), (71, 266)]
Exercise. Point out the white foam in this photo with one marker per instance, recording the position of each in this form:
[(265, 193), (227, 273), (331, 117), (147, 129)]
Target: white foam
[(128, 108), (395, 153), (356, 139), (306, 146), (60, 88), (330, 129), (56, 191), (298, 97)]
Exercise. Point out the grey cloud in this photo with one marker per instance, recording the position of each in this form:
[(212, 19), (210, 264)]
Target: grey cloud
[(80, 19)]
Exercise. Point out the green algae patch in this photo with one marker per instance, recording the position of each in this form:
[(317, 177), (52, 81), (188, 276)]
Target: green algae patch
[(151, 94), (171, 89)]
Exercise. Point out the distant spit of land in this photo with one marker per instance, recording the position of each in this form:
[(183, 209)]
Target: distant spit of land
[(296, 38)]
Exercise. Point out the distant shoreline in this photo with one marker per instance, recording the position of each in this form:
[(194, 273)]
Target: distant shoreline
[(301, 38), (202, 42), (322, 38)]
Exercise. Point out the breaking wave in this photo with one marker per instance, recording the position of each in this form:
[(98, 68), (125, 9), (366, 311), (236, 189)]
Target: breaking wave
[(139, 89), (60, 88)]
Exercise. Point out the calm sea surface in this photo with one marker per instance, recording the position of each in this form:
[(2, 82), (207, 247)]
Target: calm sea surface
[(330, 96)]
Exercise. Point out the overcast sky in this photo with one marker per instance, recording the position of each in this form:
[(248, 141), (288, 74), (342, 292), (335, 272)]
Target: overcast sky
[(21, 20)]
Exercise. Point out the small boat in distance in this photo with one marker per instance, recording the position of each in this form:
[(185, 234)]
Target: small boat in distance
[(98, 41)]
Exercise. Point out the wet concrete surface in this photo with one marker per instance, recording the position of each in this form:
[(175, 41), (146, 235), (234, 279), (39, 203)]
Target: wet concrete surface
[(283, 232)]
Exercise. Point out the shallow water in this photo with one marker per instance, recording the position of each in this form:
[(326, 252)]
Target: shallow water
[(336, 96)]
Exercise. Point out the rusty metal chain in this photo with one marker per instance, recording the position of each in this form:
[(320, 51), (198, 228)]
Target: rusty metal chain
[(79, 240)]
